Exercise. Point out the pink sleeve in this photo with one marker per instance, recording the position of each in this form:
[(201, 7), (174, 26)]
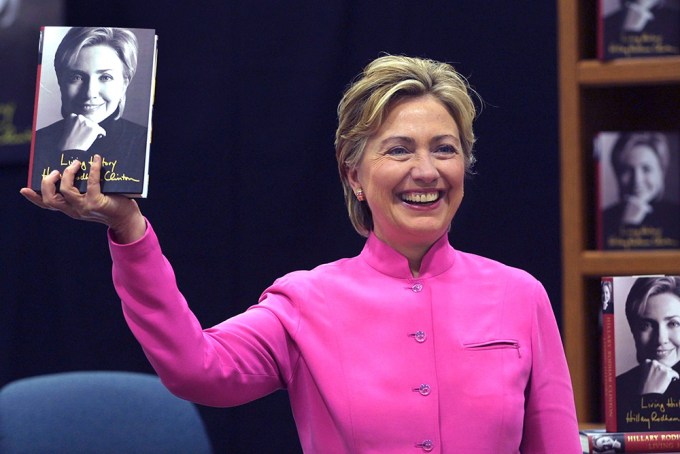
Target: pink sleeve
[(550, 418), (239, 360)]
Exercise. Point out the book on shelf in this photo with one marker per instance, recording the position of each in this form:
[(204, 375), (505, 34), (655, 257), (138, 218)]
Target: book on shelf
[(596, 441), (641, 353), (637, 187), (94, 96), (638, 28)]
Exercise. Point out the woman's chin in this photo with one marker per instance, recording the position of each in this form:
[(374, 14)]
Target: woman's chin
[(427, 234)]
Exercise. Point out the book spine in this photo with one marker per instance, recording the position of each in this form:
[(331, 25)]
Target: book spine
[(598, 182), (35, 108), (634, 442), (609, 361)]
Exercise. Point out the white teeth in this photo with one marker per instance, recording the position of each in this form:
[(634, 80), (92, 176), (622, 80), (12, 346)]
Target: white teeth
[(420, 197)]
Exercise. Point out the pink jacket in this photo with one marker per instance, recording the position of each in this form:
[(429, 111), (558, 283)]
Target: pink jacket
[(465, 358)]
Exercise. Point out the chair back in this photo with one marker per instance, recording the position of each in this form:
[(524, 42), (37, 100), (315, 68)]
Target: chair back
[(97, 412)]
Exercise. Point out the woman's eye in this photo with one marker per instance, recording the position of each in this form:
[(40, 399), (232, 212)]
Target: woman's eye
[(397, 151), (644, 326), (447, 149), (674, 323), (75, 77), (105, 77)]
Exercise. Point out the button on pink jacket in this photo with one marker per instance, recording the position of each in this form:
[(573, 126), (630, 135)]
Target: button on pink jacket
[(466, 358)]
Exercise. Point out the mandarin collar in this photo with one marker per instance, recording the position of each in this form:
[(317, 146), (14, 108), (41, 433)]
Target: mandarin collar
[(109, 121), (380, 256)]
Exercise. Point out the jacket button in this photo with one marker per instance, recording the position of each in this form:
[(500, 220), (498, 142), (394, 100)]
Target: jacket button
[(426, 445), (419, 336), (424, 389), (417, 287)]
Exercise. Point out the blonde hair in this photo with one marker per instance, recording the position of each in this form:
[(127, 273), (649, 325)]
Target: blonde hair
[(368, 99)]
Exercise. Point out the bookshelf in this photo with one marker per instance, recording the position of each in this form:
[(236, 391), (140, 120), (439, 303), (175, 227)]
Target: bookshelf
[(594, 96)]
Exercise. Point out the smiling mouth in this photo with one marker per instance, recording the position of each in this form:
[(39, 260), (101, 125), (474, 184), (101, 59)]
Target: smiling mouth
[(661, 354), (89, 108), (421, 198)]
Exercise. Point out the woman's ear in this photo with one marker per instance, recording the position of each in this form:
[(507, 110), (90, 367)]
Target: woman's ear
[(353, 177)]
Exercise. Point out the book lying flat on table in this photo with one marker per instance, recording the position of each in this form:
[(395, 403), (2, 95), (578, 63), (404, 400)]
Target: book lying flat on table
[(94, 96), (595, 441), (641, 353), (638, 28), (637, 189)]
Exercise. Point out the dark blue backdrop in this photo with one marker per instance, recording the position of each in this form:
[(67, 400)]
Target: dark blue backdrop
[(244, 185)]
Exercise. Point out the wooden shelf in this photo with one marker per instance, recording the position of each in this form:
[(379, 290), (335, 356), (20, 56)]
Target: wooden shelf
[(600, 263), (594, 96), (635, 71)]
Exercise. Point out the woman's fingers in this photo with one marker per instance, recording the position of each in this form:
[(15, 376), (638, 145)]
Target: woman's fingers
[(58, 192), (67, 187), (80, 133), (94, 179), (51, 197), (656, 377), (47, 183), (33, 197), (117, 211)]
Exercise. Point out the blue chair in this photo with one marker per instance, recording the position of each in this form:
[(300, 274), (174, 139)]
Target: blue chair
[(97, 412)]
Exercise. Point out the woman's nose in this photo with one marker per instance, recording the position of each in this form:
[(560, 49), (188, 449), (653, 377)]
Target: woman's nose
[(638, 176), (662, 335), (92, 88), (425, 168)]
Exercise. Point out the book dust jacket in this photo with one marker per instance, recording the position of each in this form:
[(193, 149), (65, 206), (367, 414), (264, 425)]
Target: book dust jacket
[(94, 95)]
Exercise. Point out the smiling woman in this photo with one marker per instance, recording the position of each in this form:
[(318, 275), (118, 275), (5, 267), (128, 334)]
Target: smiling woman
[(410, 346)]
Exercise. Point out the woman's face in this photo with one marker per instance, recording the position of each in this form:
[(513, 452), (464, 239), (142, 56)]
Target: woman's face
[(606, 294), (641, 175), (412, 173), (658, 334), (95, 84)]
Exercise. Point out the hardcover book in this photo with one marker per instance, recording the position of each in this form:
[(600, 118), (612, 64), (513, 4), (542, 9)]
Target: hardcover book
[(94, 95), (600, 441), (638, 28), (641, 353), (637, 189)]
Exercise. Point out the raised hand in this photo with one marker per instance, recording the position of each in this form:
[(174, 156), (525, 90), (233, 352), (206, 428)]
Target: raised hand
[(121, 214)]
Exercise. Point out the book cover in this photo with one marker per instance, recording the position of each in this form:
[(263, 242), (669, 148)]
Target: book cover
[(641, 353), (637, 178), (94, 95), (638, 28), (599, 441)]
